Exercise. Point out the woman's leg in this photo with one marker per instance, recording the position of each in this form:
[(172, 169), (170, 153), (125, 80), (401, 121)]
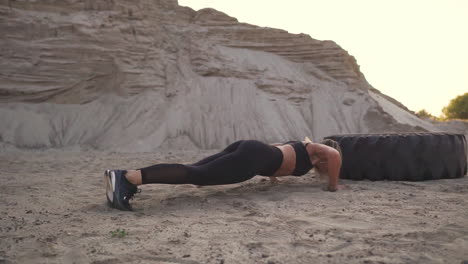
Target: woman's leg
[(227, 150), (235, 164), (165, 173), (174, 173), (240, 162)]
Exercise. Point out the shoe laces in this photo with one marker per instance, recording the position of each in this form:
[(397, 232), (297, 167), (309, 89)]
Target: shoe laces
[(132, 191)]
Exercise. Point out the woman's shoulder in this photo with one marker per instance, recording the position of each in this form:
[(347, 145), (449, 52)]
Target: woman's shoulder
[(319, 149)]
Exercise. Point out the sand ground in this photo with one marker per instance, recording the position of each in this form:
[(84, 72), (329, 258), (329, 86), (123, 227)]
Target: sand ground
[(53, 210)]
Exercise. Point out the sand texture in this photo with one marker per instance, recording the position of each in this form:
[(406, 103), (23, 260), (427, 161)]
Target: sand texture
[(54, 211)]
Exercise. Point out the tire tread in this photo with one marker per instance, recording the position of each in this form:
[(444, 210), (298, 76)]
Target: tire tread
[(402, 156)]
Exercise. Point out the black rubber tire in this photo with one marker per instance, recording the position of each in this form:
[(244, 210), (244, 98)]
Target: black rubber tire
[(402, 157)]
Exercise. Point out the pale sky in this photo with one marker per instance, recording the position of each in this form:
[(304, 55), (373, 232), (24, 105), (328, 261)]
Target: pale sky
[(415, 51)]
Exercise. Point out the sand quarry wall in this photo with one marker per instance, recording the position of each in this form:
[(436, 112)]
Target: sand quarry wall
[(142, 75)]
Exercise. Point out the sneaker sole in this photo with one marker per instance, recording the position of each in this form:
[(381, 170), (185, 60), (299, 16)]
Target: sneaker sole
[(109, 181), (112, 192)]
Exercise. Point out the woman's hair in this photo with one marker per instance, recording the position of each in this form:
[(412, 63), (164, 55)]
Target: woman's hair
[(333, 144)]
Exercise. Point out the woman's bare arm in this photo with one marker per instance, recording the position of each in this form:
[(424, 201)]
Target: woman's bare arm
[(326, 160), (334, 166)]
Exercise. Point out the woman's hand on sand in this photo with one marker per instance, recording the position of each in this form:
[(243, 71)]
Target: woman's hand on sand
[(341, 187), (334, 189)]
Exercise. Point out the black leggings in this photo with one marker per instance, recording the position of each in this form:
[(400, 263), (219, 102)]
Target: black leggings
[(240, 161)]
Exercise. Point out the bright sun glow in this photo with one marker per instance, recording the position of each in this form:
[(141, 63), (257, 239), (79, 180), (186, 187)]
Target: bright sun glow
[(414, 51)]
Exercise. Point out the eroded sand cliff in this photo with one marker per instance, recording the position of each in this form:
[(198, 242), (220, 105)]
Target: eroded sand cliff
[(142, 75)]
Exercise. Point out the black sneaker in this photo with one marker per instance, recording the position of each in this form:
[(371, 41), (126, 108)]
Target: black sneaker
[(119, 190)]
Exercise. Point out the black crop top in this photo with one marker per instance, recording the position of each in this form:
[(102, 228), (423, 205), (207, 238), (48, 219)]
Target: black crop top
[(303, 164)]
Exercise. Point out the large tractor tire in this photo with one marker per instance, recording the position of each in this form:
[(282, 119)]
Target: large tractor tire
[(403, 157)]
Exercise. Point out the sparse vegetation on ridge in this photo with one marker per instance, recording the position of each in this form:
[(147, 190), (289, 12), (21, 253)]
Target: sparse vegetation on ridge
[(456, 109)]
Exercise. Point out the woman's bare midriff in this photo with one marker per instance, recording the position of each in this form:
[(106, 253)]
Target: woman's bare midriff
[(289, 161)]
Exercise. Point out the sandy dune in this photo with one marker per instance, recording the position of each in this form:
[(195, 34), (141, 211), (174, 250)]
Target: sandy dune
[(132, 76), (53, 211)]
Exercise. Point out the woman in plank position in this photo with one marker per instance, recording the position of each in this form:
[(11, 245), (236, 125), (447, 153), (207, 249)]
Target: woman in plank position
[(238, 162)]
